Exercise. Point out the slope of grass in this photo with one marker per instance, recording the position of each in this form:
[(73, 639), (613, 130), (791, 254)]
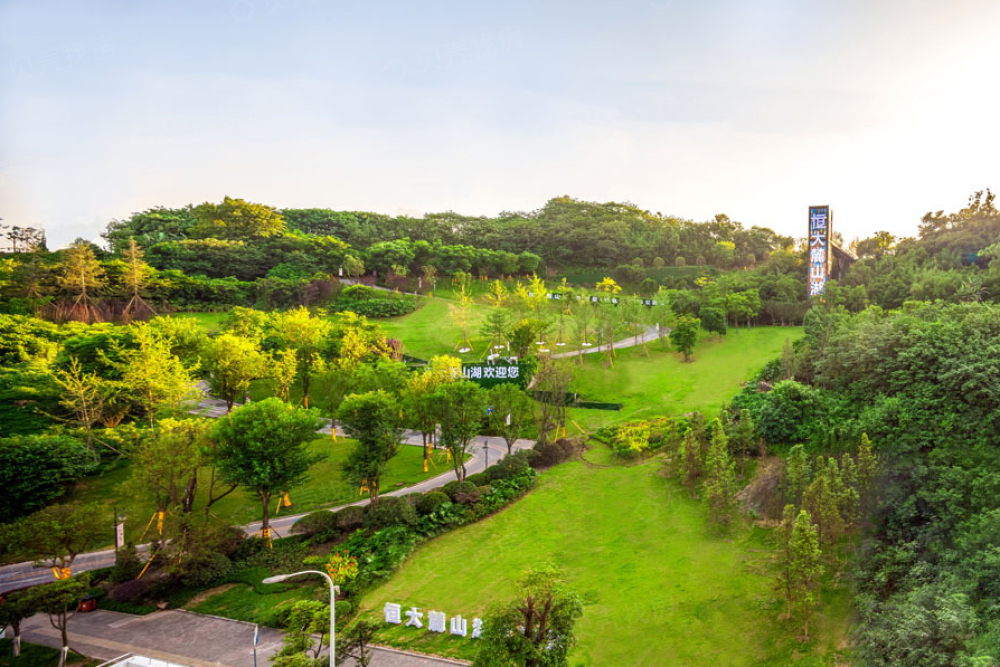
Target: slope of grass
[(663, 383), (660, 586), (431, 331), (210, 322), (324, 487)]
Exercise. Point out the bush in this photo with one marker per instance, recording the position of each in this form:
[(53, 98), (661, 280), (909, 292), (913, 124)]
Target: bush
[(316, 522), (342, 608), (449, 488), (377, 308), (205, 569), (629, 274), (511, 465), (359, 292), (479, 479), (390, 511), (465, 493), (130, 591), (552, 452), (431, 501), (350, 518), (127, 566)]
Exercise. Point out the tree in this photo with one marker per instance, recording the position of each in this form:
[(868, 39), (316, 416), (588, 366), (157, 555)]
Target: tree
[(354, 267), (536, 629), (308, 335), (798, 474), (786, 581), (552, 380), (713, 320), (356, 643), (511, 412), (16, 607), (83, 395), (868, 470), (461, 311), (820, 499), (237, 219), (461, 410), (283, 366), (233, 362), (59, 600), (136, 278), (262, 447), (166, 466), (685, 335), (152, 371), (496, 326), (720, 477), (56, 535), (372, 419), (804, 569), (37, 469), (305, 620), (582, 313), (743, 439), (82, 275)]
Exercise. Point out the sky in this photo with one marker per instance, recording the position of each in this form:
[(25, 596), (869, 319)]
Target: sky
[(882, 109)]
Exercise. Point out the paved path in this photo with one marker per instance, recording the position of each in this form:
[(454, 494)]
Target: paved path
[(186, 638), (651, 334), (22, 575)]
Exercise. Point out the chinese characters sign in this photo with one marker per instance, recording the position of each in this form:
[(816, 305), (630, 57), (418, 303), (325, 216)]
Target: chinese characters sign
[(491, 373), (437, 621), (820, 220)]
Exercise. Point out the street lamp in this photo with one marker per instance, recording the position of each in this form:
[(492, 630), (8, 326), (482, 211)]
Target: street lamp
[(278, 578)]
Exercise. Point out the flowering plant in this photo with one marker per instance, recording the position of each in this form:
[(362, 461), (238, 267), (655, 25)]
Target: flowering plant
[(342, 567)]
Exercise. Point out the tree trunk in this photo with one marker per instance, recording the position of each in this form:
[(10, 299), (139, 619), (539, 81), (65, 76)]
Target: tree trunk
[(265, 524), (373, 491), (17, 640)]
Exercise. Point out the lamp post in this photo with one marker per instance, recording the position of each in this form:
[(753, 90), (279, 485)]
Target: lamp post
[(278, 578)]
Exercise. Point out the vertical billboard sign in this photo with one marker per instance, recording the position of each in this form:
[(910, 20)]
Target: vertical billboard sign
[(820, 221)]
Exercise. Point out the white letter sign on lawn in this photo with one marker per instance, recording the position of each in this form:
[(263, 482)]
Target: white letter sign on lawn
[(414, 615), (435, 621)]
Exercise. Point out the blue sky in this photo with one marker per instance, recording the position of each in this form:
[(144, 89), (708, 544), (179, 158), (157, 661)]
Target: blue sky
[(757, 109)]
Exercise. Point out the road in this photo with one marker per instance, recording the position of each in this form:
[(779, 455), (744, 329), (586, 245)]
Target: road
[(22, 575)]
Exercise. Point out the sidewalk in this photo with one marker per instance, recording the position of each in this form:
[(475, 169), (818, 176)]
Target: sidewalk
[(186, 638)]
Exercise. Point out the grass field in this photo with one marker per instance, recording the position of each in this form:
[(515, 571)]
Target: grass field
[(663, 383), (36, 655), (430, 330), (210, 322), (660, 587), (324, 487)]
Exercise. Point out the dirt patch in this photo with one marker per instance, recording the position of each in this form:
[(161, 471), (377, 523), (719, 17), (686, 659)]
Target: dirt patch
[(765, 493), (204, 595)]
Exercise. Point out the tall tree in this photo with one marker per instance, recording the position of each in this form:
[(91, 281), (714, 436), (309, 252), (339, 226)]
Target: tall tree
[(83, 394), (805, 569), (56, 535), (237, 219), (306, 334), (262, 447), (511, 412), (552, 380), (685, 335), (534, 630), (233, 362), (373, 420), (720, 477), (59, 601), (420, 405), (152, 371), (462, 409), (798, 474), (82, 276), (136, 278), (16, 607)]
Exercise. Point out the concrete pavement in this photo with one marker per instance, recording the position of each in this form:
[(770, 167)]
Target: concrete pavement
[(186, 638)]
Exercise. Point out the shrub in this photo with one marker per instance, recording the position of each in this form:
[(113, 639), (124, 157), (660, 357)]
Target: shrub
[(127, 566), (377, 308), (413, 498), (359, 292), (552, 452), (342, 608), (479, 479), (449, 488), (658, 262), (316, 522), (350, 518), (205, 569), (511, 465), (628, 274), (465, 493), (680, 261), (431, 501), (390, 511), (130, 591)]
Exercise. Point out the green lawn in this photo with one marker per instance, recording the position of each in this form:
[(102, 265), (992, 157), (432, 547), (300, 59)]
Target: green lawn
[(430, 330), (324, 487), (660, 586), (663, 383), (36, 655), (210, 322)]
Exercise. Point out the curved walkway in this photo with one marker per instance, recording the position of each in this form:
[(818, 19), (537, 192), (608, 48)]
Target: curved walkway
[(651, 334), (484, 451)]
